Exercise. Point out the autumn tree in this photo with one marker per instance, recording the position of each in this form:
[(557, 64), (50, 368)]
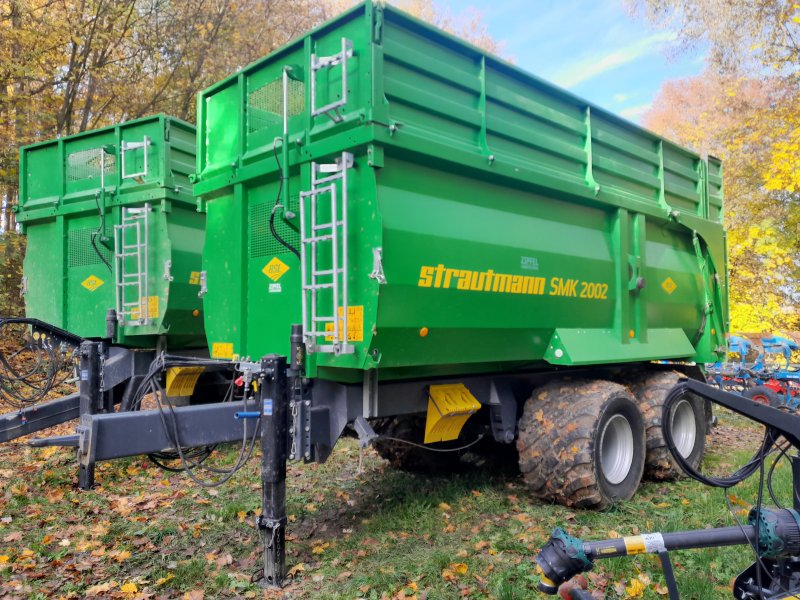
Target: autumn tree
[(745, 109), (741, 35), (71, 65), (12, 249)]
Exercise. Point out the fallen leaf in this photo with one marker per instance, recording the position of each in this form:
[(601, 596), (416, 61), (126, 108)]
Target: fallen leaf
[(13, 537), (635, 589), (129, 589), (444, 506), (100, 588), (122, 556), (225, 559), (54, 495), (298, 568)]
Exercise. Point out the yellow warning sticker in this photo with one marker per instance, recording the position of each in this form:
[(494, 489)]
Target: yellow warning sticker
[(355, 325), (222, 350), (634, 544), (150, 304), (194, 278), (275, 269), (92, 282), (669, 285)]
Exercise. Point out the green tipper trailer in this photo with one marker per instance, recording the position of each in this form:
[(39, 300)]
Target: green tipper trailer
[(443, 234), (112, 224), (512, 222)]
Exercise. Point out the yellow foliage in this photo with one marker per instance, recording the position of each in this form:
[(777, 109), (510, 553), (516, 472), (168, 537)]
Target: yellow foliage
[(754, 126), (129, 589), (635, 589)]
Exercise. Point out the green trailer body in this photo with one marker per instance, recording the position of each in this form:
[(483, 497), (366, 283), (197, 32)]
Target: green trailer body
[(82, 259), (493, 222)]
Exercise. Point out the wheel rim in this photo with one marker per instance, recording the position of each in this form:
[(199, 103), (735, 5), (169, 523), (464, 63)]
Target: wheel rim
[(616, 449), (684, 428), (760, 398)]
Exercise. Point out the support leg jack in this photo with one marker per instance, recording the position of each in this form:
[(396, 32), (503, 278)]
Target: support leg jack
[(274, 442)]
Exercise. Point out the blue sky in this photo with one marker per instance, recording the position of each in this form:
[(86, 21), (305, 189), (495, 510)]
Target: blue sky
[(594, 48)]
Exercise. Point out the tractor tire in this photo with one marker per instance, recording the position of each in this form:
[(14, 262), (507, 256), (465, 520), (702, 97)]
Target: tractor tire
[(763, 395), (412, 458), (582, 443), (689, 425)]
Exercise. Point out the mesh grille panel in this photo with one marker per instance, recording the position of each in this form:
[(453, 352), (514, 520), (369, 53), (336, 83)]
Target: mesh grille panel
[(261, 242), (85, 164), (80, 248), (265, 104)]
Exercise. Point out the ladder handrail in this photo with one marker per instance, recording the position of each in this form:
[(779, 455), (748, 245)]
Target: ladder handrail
[(328, 185)]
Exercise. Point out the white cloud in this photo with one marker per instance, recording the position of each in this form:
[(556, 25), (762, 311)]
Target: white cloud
[(620, 97), (634, 113), (592, 66)]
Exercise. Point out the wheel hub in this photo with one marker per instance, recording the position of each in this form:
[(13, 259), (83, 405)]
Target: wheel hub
[(684, 428), (616, 449)]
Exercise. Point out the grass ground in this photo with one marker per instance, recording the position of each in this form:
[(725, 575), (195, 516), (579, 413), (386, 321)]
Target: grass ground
[(358, 529)]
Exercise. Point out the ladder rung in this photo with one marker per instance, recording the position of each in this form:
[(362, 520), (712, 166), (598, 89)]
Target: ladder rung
[(121, 283), (317, 238), (318, 286), (322, 226), (326, 272), (323, 319), (330, 178)]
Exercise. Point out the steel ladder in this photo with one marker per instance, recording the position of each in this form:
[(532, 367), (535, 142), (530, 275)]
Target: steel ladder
[(320, 232), (131, 273)]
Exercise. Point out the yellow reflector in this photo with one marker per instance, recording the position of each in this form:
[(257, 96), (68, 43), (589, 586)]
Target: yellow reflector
[(181, 380), (449, 407)]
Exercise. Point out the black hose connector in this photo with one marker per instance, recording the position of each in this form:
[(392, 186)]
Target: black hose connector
[(778, 531), (559, 560)]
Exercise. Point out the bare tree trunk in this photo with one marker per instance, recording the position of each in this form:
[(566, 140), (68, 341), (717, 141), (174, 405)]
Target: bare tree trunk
[(15, 105)]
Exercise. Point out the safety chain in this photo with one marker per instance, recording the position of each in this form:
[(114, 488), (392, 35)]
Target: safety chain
[(102, 370), (293, 449)]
